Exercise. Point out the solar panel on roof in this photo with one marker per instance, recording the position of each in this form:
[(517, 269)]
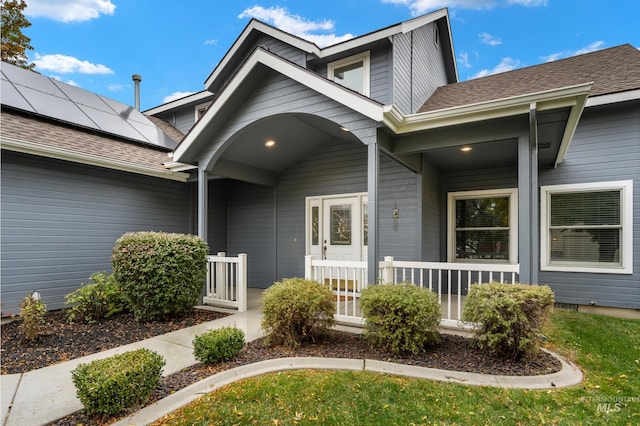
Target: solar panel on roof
[(13, 98), (54, 107), (32, 92), (83, 97)]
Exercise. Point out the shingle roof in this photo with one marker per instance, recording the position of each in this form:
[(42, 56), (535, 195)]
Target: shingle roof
[(167, 128), (612, 70), (47, 133)]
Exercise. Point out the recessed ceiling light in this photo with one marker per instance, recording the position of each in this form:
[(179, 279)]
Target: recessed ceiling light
[(270, 143), (466, 149), (344, 129)]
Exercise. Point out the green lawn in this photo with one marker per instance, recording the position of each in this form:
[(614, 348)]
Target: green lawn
[(607, 349)]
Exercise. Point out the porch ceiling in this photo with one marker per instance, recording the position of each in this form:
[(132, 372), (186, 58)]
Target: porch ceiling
[(295, 136), (493, 142)]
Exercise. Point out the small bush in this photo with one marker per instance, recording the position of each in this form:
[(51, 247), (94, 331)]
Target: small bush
[(111, 385), (218, 345), (94, 301), (295, 311), (32, 311), (160, 274), (401, 318), (509, 317)]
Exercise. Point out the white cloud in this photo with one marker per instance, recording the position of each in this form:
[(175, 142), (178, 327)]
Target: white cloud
[(297, 25), (529, 3), (69, 10), (116, 87), (419, 7), (212, 42), (507, 64), (68, 64), (175, 95), (463, 59), (487, 38), (596, 45)]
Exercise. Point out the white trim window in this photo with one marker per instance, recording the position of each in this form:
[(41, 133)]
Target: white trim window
[(483, 226), (201, 109), (587, 227), (352, 72)]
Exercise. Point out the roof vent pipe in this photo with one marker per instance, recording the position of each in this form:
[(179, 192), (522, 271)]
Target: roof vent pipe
[(136, 83)]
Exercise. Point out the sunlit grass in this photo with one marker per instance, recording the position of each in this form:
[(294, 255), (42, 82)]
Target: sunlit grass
[(608, 350)]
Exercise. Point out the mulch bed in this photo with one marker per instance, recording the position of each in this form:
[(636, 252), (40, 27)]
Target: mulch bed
[(69, 341)]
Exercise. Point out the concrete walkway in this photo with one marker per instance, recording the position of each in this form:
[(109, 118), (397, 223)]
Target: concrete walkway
[(47, 394)]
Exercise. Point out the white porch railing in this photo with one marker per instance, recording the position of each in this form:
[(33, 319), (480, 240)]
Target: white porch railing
[(226, 284), (450, 281), (346, 279)]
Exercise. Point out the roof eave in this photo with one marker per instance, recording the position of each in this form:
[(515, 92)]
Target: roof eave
[(312, 48), (571, 96), (362, 104), (194, 97), (27, 147)]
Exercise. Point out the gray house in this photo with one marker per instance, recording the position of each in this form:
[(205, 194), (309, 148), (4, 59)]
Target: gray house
[(357, 151)]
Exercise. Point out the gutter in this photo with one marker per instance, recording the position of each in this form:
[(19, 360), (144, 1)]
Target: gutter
[(25, 147)]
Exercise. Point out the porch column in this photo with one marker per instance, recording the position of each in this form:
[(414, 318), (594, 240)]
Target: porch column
[(373, 176), (203, 201), (528, 241)]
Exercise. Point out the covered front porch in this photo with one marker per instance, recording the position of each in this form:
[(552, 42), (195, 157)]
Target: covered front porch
[(227, 284), (454, 191)]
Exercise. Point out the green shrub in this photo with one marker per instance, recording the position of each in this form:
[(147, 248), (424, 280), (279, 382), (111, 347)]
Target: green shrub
[(111, 385), (508, 317), (401, 318), (159, 274), (295, 311), (218, 345), (32, 312), (94, 301)]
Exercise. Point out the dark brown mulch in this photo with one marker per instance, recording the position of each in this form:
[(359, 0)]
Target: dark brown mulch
[(454, 353), (62, 341)]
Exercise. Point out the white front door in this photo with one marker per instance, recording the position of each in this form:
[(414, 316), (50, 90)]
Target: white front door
[(337, 227)]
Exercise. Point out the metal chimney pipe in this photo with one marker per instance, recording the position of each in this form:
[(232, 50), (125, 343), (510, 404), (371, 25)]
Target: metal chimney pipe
[(136, 83)]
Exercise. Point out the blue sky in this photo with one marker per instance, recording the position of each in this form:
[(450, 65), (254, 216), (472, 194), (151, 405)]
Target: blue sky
[(174, 45)]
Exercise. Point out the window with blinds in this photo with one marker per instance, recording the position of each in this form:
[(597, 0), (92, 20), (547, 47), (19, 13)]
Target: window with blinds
[(584, 225)]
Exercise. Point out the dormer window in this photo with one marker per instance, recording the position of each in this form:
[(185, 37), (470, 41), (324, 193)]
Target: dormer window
[(351, 72), (201, 109)]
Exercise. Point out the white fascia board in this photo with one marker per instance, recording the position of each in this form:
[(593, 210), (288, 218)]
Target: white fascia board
[(312, 48), (613, 98), (359, 103), (195, 97), (255, 25), (26, 147), (550, 99)]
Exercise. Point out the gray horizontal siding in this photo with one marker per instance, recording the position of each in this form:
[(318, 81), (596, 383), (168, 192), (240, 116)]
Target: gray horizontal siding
[(60, 221), (606, 147), (282, 49), (251, 222), (380, 75)]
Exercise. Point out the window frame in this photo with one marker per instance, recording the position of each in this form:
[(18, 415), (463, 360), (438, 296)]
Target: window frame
[(626, 235), (201, 107), (452, 197), (365, 58)]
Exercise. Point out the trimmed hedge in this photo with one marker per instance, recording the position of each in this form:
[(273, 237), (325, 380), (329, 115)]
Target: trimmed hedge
[(296, 310), (111, 385), (218, 345), (509, 317), (159, 273), (401, 318), (97, 300), (32, 312)]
